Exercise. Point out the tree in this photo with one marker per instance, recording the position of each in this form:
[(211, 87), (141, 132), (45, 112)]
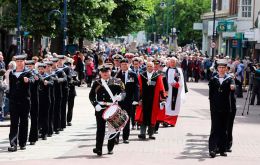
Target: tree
[(129, 16), (181, 16)]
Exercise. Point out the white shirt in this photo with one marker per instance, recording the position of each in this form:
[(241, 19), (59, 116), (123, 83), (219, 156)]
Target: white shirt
[(221, 79), (149, 75), (104, 81), (126, 75)]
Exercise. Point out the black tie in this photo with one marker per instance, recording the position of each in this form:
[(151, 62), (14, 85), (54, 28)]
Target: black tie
[(123, 77)]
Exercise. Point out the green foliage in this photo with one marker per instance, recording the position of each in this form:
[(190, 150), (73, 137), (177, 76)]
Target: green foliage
[(181, 15), (129, 16)]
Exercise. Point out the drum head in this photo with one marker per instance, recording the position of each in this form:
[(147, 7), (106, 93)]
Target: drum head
[(110, 111)]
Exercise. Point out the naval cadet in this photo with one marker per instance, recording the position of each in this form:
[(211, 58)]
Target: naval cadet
[(20, 103), (221, 87)]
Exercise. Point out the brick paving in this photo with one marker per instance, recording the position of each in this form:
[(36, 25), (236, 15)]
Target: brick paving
[(187, 143)]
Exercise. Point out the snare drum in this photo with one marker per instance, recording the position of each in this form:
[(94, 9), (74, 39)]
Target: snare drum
[(116, 117)]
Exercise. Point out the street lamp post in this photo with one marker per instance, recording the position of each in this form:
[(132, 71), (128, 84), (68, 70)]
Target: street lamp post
[(18, 27), (214, 24), (63, 23)]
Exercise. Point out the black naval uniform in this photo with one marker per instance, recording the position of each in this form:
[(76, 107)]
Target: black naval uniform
[(59, 78), (132, 94), (72, 93), (34, 112), (52, 108), (20, 105), (97, 94), (65, 94), (44, 104), (220, 97)]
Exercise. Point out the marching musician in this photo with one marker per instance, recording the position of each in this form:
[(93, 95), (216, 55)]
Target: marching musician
[(44, 100), (130, 81), (20, 103), (100, 97)]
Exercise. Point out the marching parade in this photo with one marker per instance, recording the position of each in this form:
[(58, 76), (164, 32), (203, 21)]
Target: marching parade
[(133, 80)]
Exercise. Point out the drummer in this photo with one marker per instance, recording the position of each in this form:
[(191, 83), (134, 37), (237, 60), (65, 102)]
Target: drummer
[(103, 93)]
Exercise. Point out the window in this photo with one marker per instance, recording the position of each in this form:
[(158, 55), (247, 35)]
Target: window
[(233, 9), (246, 8)]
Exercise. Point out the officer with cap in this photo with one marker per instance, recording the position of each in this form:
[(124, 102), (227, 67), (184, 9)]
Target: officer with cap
[(100, 99), (20, 103), (221, 86), (116, 59)]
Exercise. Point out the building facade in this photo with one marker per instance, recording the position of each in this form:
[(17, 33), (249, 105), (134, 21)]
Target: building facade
[(236, 30)]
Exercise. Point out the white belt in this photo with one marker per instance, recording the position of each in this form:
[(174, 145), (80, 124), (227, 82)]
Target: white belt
[(105, 103)]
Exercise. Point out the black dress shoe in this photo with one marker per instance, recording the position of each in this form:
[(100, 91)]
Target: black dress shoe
[(32, 143), (223, 154), (156, 132), (22, 148), (228, 150), (62, 129), (152, 137), (12, 149), (141, 137), (126, 141), (110, 152), (116, 141), (44, 137), (212, 154), (57, 132), (98, 152), (49, 135), (69, 124)]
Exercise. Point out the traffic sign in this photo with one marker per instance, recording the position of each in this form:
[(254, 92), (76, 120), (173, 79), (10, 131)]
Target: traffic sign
[(213, 45)]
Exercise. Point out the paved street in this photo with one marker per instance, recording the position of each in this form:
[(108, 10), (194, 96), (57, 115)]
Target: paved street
[(184, 144)]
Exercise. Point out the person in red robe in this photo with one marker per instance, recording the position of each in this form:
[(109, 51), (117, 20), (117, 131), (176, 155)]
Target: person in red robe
[(151, 91)]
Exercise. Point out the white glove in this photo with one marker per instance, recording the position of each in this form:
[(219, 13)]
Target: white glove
[(135, 103), (118, 97), (162, 105), (98, 108)]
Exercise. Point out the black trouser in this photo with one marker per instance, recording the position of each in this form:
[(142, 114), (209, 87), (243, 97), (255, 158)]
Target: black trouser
[(51, 115), (143, 130), (44, 107), (19, 112), (230, 129), (71, 99), (64, 102), (34, 113), (256, 92), (218, 133), (157, 125), (57, 114), (132, 115), (100, 134), (89, 79), (239, 90)]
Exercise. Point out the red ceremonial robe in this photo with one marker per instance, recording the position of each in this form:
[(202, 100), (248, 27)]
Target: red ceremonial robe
[(159, 89)]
